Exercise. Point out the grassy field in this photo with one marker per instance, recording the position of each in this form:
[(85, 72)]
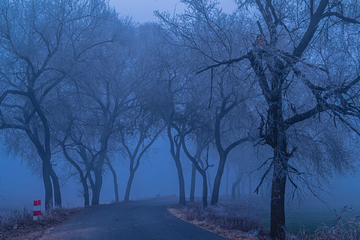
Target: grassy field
[(308, 219)]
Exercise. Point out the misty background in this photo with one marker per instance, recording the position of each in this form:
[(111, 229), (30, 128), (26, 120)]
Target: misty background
[(20, 184)]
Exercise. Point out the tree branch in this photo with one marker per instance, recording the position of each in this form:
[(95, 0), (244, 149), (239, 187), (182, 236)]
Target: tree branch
[(342, 17)]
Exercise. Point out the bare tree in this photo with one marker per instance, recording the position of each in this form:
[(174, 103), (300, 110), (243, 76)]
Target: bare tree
[(298, 49), (37, 55), (144, 129)]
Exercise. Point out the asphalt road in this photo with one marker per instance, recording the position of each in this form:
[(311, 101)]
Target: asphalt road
[(141, 220)]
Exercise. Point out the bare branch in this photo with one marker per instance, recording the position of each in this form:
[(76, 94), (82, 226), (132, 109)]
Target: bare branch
[(342, 17)]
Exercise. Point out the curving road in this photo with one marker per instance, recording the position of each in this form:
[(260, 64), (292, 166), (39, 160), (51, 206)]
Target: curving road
[(140, 220)]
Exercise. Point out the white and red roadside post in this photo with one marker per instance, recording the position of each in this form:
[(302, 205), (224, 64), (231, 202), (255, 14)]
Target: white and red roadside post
[(36, 209)]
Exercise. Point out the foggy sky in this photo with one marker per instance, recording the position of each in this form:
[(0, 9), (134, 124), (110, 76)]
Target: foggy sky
[(142, 10)]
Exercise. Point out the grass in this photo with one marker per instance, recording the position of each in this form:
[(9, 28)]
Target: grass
[(346, 227), (19, 223), (241, 219), (229, 219)]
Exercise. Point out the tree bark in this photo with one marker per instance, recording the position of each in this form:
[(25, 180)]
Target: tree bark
[(192, 186), (98, 170), (135, 156), (217, 181), (47, 185), (86, 192), (223, 153), (201, 169), (227, 179), (205, 190), (175, 147), (116, 188), (182, 200), (128, 186), (83, 179), (277, 216), (57, 192), (209, 181), (97, 186)]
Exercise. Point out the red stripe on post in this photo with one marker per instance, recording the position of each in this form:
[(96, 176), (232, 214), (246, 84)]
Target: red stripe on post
[(36, 209)]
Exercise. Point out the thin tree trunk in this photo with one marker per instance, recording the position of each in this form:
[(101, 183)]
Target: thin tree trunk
[(182, 200), (223, 153), (199, 167), (57, 192), (83, 179), (175, 148), (250, 190), (238, 195), (217, 181), (192, 186), (128, 186), (234, 186), (227, 179), (209, 181), (205, 190), (86, 192)]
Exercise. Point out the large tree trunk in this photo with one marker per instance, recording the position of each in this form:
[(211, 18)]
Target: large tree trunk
[(47, 185), (217, 181), (57, 192), (86, 192), (192, 186), (98, 171), (279, 144), (97, 186), (277, 228), (128, 186)]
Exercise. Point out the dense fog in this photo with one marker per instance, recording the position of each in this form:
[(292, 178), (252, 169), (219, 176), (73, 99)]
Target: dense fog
[(104, 102)]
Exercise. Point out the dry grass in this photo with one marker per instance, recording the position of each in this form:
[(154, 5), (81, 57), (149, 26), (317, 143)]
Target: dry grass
[(238, 221), (233, 221), (342, 230), (20, 223)]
